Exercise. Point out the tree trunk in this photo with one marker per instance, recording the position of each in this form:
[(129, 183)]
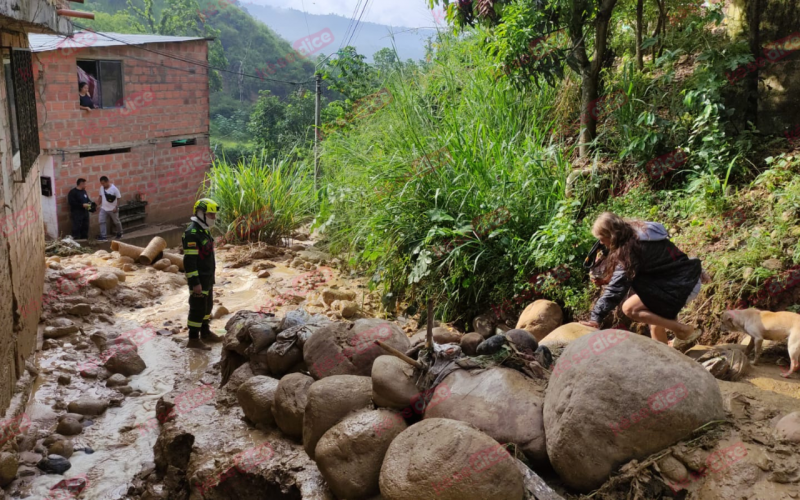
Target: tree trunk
[(590, 70), (754, 40), (661, 27), (639, 30)]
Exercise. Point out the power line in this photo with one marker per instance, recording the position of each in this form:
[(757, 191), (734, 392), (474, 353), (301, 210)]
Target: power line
[(350, 25), (355, 28), (190, 61)]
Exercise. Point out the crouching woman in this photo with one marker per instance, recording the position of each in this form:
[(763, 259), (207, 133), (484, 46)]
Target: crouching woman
[(662, 277)]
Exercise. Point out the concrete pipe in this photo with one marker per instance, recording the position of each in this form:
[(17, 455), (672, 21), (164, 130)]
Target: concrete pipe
[(155, 247)]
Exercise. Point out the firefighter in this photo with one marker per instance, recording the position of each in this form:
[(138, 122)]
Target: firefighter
[(198, 261)]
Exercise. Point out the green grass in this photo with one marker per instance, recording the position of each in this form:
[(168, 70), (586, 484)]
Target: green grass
[(261, 201)]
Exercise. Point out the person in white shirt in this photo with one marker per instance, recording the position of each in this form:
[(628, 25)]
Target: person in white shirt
[(109, 207)]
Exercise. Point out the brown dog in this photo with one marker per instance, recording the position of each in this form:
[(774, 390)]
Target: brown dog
[(762, 325)]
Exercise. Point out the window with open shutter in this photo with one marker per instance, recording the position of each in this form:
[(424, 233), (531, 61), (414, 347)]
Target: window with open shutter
[(22, 104)]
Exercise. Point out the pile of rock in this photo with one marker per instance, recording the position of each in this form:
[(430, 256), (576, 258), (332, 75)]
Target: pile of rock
[(613, 397)]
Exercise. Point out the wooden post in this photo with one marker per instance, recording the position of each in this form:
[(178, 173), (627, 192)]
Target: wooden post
[(429, 336)]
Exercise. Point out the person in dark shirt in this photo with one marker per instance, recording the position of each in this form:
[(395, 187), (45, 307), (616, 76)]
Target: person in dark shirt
[(86, 100), (79, 206)]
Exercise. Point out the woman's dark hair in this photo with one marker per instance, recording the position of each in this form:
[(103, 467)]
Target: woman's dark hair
[(623, 243), (81, 85)]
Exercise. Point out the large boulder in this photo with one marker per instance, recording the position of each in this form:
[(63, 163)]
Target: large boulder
[(126, 361), (448, 460), (256, 397), (289, 407), (392, 385), (501, 402), (616, 396), (565, 334), (788, 427), (330, 400), (351, 453), (341, 349), (540, 318)]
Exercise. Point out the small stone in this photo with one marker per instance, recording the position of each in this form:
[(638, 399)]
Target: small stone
[(470, 343), (62, 448), (89, 372), (8, 468), (105, 319), (105, 281), (29, 457), (172, 269), (116, 380), (128, 268), (125, 389), (55, 332), (80, 310), (220, 312), (263, 274), (88, 405), (64, 379), (54, 464), (68, 426), (491, 345), (772, 264)]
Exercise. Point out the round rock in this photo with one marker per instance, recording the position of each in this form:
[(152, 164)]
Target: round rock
[(470, 343), (522, 340), (491, 345), (615, 396), (116, 380), (540, 318), (392, 386), (68, 426), (350, 454), (256, 397), (289, 407), (330, 400), (448, 460), (8, 468), (125, 361), (501, 402), (565, 334), (788, 427), (54, 464)]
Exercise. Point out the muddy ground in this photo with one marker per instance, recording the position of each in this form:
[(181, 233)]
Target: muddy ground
[(123, 437)]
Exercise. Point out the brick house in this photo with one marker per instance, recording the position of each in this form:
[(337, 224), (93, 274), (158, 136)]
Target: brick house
[(21, 233), (149, 133)]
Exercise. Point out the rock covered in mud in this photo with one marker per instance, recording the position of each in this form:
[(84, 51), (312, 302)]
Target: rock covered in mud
[(565, 334), (282, 361), (54, 464), (616, 396), (540, 318), (492, 345), (340, 349), (788, 427), (69, 426), (501, 402), (522, 340), (256, 397), (289, 407), (392, 386), (173, 448), (116, 380), (330, 400), (125, 361), (105, 281), (448, 460), (351, 453), (441, 335), (88, 405), (60, 327), (62, 447), (162, 264), (484, 325), (8, 468)]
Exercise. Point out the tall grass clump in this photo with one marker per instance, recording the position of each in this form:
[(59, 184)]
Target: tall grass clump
[(261, 201), (439, 194)]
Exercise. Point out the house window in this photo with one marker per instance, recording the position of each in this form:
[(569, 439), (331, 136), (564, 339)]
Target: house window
[(21, 102), (106, 76)]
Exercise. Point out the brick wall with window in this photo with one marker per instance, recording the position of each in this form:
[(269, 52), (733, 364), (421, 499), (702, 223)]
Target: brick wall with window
[(21, 232), (145, 102)]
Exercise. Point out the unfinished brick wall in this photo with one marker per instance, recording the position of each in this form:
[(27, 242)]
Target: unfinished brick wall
[(165, 100), (21, 252)]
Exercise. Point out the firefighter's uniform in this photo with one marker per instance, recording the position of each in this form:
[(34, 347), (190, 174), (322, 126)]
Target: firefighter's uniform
[(199, 265)]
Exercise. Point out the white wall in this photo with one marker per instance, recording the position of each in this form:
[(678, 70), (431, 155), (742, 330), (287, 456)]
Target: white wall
[(49, 209)]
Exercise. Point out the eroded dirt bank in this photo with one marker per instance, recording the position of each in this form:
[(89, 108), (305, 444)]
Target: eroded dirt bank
[(113, 434)]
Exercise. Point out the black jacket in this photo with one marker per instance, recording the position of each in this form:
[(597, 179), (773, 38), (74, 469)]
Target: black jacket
[(76, 198), (664, 280), (198, 255)]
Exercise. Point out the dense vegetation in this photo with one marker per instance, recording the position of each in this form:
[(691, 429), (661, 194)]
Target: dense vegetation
[(472, 179)]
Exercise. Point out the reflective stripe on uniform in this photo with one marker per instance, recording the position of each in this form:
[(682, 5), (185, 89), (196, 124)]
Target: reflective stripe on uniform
[(205, 292), (207, 316), (192, 274), (195, 325), (188, 251)]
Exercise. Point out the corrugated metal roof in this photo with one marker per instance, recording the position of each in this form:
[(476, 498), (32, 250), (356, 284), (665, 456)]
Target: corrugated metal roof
[(83, 39)]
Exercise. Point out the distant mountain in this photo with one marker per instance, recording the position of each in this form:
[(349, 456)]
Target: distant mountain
[(368, 39)]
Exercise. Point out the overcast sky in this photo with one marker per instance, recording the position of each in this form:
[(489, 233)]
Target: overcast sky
[(409, 13)]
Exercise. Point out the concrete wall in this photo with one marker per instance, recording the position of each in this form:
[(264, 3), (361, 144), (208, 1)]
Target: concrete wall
[(165, 100), (21, 251), (36, 16)]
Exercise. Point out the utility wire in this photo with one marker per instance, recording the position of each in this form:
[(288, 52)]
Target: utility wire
[(190, 61)]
